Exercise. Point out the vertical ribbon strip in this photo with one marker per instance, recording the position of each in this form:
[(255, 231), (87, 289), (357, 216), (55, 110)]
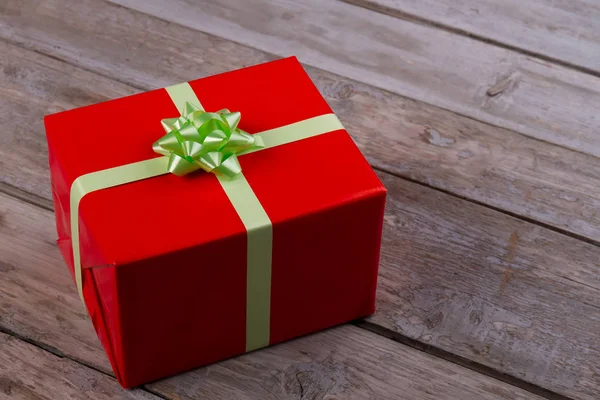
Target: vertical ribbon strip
[(259, 237), (256, 221)]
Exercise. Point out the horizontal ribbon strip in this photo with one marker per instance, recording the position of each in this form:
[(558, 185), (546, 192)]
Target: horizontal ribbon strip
[(255, 220)]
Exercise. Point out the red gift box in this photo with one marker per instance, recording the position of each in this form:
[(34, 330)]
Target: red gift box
[(164, 259)]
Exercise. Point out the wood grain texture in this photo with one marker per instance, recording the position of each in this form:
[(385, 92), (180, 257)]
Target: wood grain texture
[(408, 138), (32, 86), (537, 98), (494, 289), (566, 31), (28, 372), (38, 301)]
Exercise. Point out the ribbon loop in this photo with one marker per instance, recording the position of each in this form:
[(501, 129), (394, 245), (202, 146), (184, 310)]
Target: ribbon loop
[(204, 140)]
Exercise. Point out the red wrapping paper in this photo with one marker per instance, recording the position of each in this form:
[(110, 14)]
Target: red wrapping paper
[(166, 289)]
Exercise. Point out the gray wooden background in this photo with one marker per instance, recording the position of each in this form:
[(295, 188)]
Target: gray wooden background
[(482, 119)]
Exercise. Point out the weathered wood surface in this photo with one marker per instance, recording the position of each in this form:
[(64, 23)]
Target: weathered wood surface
[(491, 288), (502, 292), (451, 277), (566, 30), (468, 76), (28, 372), (408, 138), (31, 86), (38, 301)]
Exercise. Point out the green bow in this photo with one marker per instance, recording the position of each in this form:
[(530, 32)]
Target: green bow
[(206, 140)]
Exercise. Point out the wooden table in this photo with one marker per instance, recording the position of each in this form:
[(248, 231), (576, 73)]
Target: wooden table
[(482, 119)]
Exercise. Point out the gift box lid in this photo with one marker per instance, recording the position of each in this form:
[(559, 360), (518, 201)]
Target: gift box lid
[(167, 213)]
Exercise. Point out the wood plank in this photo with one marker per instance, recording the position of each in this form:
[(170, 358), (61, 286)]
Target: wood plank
[(448, 279), (473, 78), (491, 288), (566, 31), (32, 86), (411, 139), (28, 372), (38, 301)]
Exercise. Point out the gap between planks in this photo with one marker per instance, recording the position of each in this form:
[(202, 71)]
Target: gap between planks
[(79, 66), (59, 354), (382, 9), (459, 360), (27, 197), (369, 326), (491, 207)]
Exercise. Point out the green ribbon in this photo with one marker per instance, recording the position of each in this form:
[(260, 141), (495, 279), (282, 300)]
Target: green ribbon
[(212, 142), (206, 140)]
